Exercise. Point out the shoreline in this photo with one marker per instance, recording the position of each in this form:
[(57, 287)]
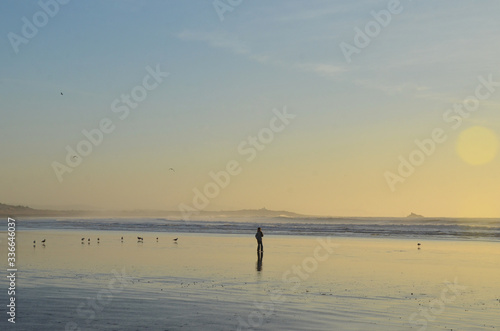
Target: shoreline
[(250, 234), (474, 229)]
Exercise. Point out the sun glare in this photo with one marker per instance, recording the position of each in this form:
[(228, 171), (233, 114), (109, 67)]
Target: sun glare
[(477, 145)]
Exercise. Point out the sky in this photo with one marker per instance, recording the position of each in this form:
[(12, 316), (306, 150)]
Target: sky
[(341, 108)]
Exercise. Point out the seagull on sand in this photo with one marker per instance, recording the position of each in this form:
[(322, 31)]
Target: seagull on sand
[(43, 240)]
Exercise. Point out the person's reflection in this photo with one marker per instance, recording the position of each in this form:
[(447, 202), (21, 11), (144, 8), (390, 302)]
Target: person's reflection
[(260, 255)]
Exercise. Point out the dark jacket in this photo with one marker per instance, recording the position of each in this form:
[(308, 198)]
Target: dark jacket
[(259, 235)]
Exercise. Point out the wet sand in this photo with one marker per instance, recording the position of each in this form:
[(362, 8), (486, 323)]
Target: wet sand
[(210, 282)]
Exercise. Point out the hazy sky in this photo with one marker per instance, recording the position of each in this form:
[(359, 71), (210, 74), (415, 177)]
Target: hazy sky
[(335, 93)]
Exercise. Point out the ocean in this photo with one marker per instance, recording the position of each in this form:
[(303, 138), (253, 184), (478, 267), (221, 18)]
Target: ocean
[(482, 229)]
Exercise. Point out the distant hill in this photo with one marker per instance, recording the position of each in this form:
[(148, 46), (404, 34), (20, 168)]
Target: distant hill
[(8, 209), (413, 215), (17, 211)]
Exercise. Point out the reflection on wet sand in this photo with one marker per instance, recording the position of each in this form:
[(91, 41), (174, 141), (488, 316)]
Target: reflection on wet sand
[(260, 255)]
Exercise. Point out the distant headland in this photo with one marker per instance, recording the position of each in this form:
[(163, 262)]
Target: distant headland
[(25, 211), (7, 210)]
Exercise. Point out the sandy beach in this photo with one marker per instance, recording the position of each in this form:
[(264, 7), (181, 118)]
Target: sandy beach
[(213, 282)]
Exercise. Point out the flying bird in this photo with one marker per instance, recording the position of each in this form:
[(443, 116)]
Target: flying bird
[(171, 169), (43, 240), (176, 239)]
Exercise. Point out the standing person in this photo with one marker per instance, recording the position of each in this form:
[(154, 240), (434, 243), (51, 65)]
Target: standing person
[(259, 236)]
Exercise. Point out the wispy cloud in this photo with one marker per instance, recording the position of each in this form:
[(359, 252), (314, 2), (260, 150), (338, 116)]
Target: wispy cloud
[(295, 11), (322, 69), (310, 14), (216, 39), (419, 91), (231, 43)]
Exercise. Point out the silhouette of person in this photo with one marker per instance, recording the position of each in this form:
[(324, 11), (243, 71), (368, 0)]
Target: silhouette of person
[(259, 236), (260, 255)]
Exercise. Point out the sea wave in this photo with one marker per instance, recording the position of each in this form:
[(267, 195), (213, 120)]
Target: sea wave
[(453, 228)]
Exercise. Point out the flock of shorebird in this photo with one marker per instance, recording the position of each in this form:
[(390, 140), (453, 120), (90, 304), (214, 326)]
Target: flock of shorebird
[(88, 240), (43, 243), (139, 240)]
